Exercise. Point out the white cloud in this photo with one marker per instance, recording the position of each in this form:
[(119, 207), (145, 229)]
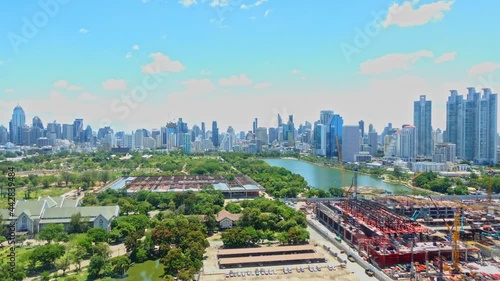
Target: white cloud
[(135, 47), (484, 68), (145, 1), (114, 85), (86, 96), (162, 63), (219, 3), (128, 55), (9, 91), (195, 86), (256, 4), (235, 80), (295, 71), (267, 13), (393, 62), (1, 62), (83, 30), (61, 84), (263, 85), (446, 57), (407, 15), (204, 72), (74, 88), (187, 3)]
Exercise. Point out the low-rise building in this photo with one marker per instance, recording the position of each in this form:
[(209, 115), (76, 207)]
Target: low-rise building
[(32, 215), (226, 219)]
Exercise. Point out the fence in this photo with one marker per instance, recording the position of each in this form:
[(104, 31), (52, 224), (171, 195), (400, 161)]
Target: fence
[(379, 275)]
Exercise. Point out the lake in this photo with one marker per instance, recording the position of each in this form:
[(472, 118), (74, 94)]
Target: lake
[(325, 177)]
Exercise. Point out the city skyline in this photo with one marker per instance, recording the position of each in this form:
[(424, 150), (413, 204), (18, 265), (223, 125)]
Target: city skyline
[(253, 59)]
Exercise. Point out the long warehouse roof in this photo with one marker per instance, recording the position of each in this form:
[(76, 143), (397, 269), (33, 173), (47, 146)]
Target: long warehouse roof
[(275, 258)]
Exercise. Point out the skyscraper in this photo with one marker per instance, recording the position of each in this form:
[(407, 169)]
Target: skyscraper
[(334, 131), (255, 126), (351, 144), (362, 127), (37, 123), (280, 121), (215, 134), (373, 142), (77, 129), (471, 124), (408, 143), (203, 132), (422, 120), (16, 124)]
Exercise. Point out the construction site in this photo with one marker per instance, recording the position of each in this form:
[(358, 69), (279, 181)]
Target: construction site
[(416, 237)]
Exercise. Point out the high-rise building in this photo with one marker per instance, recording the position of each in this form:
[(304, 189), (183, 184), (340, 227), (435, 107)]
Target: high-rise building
[(203, 132), (55, 130), (408, 143), (4, 134), (373, 142), (422, 119), (215, 134), (362, 127), (37, 123), (471, 124), (187, 144), (437, 136), (333, 131), (139, 139), (280, 121), (273, 134), (320, 139), (255, 126), (16, 124), (67, 132), (77, 129), (444, 152), (261, 134), (351, 142)]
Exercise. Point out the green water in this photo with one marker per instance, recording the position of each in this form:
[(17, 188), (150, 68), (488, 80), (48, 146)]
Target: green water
[(325, 177), (146, 271)]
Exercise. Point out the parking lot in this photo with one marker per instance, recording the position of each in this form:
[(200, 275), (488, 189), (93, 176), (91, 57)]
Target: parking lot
[(211, 271)]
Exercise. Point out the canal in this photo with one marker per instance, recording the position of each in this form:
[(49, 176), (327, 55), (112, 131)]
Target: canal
[(325, 177)]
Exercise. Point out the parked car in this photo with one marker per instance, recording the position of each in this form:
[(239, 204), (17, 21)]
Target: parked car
[(351, 258), (369, 272)]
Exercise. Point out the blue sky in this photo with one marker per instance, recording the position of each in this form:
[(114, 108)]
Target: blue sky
[(136, 63)]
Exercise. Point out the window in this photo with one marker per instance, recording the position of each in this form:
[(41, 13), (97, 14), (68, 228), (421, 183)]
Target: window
[(24, 223), (101, 223)]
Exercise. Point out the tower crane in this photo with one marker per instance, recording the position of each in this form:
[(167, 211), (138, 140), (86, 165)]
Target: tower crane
[(346, 203)]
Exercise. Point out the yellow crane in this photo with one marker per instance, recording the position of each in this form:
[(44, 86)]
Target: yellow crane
[(455, 239)]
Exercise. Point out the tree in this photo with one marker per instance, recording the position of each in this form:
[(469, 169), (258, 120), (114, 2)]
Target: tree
[(234, 238), (175, 261), (119, 265), (77, 255), (336, 191), (63, 263), (233, 208), (77, 224), (66, 177), (97, 234), (46, 254), (104, 177), (51, 232), (96, 265), (397, 172)]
